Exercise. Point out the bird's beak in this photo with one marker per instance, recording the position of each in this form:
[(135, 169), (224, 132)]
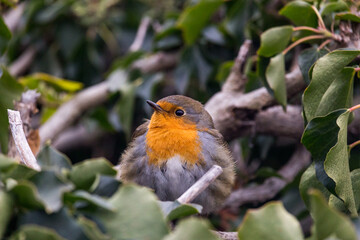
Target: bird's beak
[(155, 106)]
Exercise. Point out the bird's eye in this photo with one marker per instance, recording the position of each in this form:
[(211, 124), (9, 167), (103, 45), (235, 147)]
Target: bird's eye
[(179, 112)]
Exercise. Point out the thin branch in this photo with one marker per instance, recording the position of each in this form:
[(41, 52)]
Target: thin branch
[(72, 110), (236, 81), (12, 18), (200, 185), (227, 235), (156, 62), (141, 34), (308, 29), (22, 63), (354, 144), (272, 186), (320, 20), (27, 157), (312, 37)]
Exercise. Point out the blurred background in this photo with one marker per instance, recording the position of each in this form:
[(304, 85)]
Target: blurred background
[(145, 50)]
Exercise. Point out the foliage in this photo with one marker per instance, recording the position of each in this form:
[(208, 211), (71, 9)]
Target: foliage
[(81, 43), (68, 202)]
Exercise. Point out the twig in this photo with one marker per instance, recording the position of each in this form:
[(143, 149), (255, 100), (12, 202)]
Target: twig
[(12, 18), (200, 185), (27, 157), (27, 108), (272, 186), (140, 35), (236, 81), (227, 235)]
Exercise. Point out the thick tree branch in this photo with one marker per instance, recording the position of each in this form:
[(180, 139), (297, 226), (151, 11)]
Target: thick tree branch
[(234, 113), (272, 186), (236, 80)]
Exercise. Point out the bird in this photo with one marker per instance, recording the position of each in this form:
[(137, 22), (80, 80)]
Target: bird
[(176, 147)]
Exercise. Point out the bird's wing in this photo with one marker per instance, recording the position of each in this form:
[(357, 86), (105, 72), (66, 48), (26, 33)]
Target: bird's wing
[(140, 130)]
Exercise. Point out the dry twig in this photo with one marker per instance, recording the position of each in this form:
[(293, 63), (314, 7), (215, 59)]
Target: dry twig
[(27, 157), (140, 34), (200, 185)]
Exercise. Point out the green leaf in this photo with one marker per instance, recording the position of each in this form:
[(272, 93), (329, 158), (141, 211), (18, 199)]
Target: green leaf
[(62, 222), (5, 36), (348, 17), (192, 229), (337, 165), (10, 91), (83, 174), (83, 196), (224, 71), (175, 210), (202, 66), (271, 222), (137, 215), (184, 70), (307, 58), (50, 189), (331, 84), (26, 195), (51, 159), (6, 163), (58, 83), (18, 172), (274, 40), (91, 230), (194, 18), (6, 206), (300, 13), (326, 139), (275, 76), (309, 181), (35, 232), (355, 179), (334, 7), (107, 185), (327, 221)]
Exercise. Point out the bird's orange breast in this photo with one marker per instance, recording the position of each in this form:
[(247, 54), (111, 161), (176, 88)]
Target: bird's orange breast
[(168, 137)]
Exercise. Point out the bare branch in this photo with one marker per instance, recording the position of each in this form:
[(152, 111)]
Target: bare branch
[(140, 35), (236, 80), (22, 63), (274, 121), (12, 18), (272, 186), (227, 235), (234, 113), (156, 62), (27, 108), (27, 157), (200, 185), (72, 110)]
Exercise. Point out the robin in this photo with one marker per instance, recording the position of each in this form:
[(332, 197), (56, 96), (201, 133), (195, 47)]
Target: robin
[(175, 148)]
